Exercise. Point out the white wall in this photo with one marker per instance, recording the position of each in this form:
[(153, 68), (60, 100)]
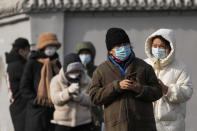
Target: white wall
[(8, 33), (92, 27)]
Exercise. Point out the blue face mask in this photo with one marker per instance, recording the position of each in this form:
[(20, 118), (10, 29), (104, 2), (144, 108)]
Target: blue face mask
[(123, 52), (159, 53)]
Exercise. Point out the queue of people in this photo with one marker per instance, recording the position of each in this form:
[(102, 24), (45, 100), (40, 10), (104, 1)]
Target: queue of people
[(124, 93)]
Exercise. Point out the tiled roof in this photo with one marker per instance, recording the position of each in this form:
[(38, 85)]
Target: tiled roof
[(108, 5), (9, 7), (17, 6)]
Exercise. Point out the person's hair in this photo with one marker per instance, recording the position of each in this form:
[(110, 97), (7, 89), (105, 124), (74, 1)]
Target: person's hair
[(166, 42), (88, 50), (20, 43)]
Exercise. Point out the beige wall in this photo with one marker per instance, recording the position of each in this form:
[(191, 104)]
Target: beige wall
[(92, 27), (8, 33)]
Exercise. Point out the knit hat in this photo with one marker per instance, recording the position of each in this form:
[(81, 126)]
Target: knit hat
[(116, 36), (21, 43), (72, 62), (47, 39)]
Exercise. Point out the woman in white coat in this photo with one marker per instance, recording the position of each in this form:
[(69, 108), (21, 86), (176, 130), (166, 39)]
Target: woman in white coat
[(172, 74), (69, 93)]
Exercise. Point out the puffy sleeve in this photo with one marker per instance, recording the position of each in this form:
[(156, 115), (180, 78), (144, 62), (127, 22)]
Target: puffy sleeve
[(181, 90), (59, 96)]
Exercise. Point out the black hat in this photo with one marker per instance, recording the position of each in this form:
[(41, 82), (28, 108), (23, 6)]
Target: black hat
[(116, 36), (69, 59), (21, 43)]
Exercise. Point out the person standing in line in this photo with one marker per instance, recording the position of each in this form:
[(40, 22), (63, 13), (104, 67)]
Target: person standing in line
[(87, 52), (35, 84), (172, 74), (69, 93), (16, 60), (126, 86)]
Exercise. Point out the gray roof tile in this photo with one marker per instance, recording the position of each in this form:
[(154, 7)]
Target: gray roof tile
[(16, 6), (88, 5)]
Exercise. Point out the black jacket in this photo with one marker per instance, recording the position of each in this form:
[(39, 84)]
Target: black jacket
[(32, 75), (16, 64), (37, 116)]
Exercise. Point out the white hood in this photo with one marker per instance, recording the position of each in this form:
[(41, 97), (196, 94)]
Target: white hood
[(168, 34)]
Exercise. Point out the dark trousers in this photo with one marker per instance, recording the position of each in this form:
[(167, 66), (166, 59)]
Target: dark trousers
[(95, 128), (85, 127), (38, 118), (18, 114)]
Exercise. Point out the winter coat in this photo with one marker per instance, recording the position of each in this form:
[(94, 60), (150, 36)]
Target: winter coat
[(170, 110), (96, 111), (67, 111), (126, 110), (32, 74), (16, 64), (38, 117)]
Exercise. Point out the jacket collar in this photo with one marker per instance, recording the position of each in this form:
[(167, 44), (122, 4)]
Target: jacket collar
[(121, 72)]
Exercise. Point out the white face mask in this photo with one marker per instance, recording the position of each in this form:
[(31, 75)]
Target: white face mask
[(159, 53), (85, 58), (50, 50), (73, 75)]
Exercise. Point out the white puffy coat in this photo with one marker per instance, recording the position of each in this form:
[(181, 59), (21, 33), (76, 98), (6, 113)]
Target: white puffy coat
[(68, 112), (170, 110)]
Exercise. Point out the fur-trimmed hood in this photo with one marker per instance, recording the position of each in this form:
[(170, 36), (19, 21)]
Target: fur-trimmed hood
[(167, 34)]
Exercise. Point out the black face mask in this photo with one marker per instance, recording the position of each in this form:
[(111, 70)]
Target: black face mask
[(71, 80)]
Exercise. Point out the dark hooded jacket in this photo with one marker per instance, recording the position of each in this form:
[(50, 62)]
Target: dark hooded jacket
[(16, 64), (38, 117), (88, 46)]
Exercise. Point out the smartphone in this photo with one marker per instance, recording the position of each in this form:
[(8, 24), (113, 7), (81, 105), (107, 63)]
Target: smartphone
[(132, 76)]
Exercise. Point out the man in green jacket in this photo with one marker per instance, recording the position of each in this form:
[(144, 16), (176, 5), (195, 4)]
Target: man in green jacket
[(87, 52), (126, 86)]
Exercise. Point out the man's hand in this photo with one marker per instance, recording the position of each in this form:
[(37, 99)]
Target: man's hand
[(130, 85), (164, 87)]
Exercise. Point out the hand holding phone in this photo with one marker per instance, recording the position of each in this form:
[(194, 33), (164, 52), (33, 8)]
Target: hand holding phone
[(132, 76), (131, 83)]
